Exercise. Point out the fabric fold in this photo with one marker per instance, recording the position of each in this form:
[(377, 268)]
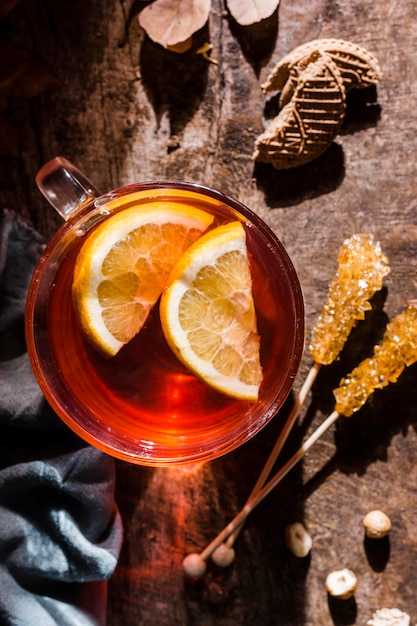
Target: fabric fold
[(60, 530)]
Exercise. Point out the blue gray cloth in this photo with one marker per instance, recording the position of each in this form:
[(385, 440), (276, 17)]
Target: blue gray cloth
[(60, 530)]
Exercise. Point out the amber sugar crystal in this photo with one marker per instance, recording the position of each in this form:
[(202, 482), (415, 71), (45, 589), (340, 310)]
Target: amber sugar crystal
[(361, 269), (397, 351)]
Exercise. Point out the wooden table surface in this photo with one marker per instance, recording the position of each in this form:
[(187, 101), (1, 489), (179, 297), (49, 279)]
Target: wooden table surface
[(126, 110)]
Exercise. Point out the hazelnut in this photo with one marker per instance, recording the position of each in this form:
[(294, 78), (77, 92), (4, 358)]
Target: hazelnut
[(376, 524), (298, 540), (194, 565), (341, 584), (223, 556)]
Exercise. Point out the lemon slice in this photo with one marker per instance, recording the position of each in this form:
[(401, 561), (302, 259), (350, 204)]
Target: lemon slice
[(123, 267), (208, 315)]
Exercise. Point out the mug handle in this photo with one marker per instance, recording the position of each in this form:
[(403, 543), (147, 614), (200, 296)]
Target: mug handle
[(65, 187)]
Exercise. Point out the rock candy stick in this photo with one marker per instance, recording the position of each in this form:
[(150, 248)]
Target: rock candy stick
[(397, 350), (361, 269)]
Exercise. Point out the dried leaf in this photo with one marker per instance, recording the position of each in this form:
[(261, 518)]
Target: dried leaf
[(8, 138), (247, 12), (205, 50), (21, 74), (8, 132), (169, 22), (6, 7), (181, 47)]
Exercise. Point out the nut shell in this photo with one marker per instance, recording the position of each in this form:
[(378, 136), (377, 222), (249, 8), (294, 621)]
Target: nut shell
[(376, 524), (194, 566), (298, 540), (223, 555), (389, 617), (341, 583)]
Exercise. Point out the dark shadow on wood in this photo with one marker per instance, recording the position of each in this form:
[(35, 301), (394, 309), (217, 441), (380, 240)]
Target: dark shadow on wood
[(343, 612), (136, 7), (283, 188), (131, 484), (132, 14), (364, 439), (174, 83), (362, 110), (366, 436), (257, 41), (377, 552)]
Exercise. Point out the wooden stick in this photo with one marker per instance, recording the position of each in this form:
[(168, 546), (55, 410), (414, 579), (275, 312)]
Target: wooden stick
[(282, 438), (250, 505)]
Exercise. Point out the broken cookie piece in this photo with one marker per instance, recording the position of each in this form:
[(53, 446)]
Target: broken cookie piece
[(313, 80), (358, 67), (310, 121)]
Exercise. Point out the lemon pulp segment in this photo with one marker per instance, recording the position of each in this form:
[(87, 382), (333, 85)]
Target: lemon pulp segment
[(123, 267), (208, 315)]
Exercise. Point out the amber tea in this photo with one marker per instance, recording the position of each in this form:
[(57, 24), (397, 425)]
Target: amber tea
[(143, 405)]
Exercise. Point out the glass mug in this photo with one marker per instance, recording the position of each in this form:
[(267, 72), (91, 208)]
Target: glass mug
[(143, 405)]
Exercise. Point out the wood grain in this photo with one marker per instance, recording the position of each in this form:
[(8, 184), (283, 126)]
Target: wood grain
[(128, 110)]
